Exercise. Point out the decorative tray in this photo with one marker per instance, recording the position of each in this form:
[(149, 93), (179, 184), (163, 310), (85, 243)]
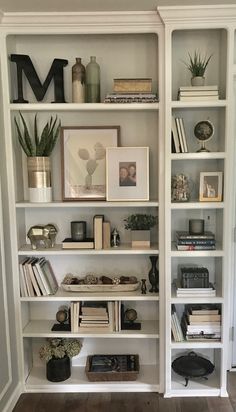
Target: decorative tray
[(91, 283), (100, 287)]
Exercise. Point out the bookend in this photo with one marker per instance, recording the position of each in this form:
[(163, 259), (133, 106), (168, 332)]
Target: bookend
[(128, 325)]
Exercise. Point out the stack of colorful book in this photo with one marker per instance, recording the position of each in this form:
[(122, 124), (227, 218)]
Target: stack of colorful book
[(201, 322), (138, 90), (193, 93), (186, 241)]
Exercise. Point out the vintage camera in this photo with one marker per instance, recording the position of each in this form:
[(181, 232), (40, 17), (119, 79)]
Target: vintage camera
[(194, 277)]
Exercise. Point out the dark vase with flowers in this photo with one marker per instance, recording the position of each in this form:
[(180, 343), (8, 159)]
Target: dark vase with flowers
[(153, 274), (58, 369)]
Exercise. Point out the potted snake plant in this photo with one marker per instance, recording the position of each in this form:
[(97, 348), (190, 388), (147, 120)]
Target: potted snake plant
[(197, 66), (38, 148)]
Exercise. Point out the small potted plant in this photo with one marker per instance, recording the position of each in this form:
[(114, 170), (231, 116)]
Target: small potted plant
[(57, 353), (197, 66), (38, 149), (140, 226)]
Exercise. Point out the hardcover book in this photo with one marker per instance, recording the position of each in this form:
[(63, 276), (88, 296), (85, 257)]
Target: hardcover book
[(69, 243)]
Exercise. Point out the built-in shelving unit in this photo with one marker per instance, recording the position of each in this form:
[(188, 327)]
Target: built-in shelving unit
[(140, 125), (129, 45), (181, 39)]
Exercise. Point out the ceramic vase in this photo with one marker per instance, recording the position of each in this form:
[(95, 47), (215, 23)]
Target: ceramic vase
[(93, 81), (39, 179), (58, 370), (78, 82), (153, 274), (198, 81)]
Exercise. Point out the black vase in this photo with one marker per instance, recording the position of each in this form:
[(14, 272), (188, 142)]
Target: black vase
[(58, 370), (153, 275)]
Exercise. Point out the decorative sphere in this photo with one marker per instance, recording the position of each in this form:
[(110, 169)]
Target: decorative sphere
[(131, 315), (61, 316)]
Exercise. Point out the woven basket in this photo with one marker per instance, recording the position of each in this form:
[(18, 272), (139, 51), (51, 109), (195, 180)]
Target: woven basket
[(112, 375)]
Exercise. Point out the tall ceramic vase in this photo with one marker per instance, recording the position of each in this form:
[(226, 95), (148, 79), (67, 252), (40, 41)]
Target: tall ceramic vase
[(39, 179), (78, 82), (93, 81), (153, 274)]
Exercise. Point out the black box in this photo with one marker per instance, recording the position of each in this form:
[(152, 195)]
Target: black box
[(195, 277)]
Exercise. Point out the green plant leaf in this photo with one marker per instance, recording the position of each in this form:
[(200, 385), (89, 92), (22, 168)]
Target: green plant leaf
[(27, 138), (21, 140)]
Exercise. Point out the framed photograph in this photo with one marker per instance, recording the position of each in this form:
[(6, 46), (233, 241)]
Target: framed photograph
[(127, 175), (210, 187), (84, 160)]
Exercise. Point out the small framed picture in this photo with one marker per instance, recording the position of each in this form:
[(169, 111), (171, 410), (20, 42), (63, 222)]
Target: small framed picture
[(211, 186), (84, 160), (127, 173)]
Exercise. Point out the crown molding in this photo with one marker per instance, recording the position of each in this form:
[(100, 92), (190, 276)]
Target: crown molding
[(99, 22), (200, 14)]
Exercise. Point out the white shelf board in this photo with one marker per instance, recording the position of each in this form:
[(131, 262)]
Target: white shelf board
[(197, 253), (197, 205), (62, 295), (147, 382), (177, 104), (84, 204), (198, 156), (124, 249), (196, 387), (62, 107), (196, 345), (42, 329)]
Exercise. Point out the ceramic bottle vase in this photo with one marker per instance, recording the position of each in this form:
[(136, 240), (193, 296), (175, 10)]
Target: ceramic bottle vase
[(153, 274), (78, 82), (93, 81)]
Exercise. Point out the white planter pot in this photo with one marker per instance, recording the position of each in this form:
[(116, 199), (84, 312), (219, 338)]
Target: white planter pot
[(140, 238), (198, 81), (39, 179)]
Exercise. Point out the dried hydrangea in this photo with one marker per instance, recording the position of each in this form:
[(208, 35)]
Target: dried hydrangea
[(59, 348)]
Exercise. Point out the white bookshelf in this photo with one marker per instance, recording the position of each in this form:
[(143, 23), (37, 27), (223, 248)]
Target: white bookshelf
[(140, 125), (185, 32)]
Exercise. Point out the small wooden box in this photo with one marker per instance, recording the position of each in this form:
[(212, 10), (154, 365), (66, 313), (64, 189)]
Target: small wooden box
[(122, 373)]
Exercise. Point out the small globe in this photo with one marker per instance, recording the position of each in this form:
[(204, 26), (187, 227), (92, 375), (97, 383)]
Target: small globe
[(203, 131), (131, 315), (61, 316)]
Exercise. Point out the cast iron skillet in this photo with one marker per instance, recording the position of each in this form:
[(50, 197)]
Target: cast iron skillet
[(192, 366)]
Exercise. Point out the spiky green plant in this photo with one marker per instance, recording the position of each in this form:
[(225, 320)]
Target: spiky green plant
[(140, 221), (36, 145), (197, 64)]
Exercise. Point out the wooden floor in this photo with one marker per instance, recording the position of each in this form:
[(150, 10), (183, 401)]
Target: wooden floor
[(126, 402)]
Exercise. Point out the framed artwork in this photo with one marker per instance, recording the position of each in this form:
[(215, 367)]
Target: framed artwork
[(127, 175), (84, 160), (210, 187)]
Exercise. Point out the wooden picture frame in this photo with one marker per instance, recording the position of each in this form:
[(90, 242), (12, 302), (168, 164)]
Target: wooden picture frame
[(211, 184), (83, 151), (127, 171)]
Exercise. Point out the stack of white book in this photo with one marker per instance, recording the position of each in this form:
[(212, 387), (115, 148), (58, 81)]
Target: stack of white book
[(92, 316), (200, 322), (193, 93), (37, 277), (178, 135), (193, 292)]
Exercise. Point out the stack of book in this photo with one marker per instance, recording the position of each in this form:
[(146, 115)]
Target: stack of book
[(175, 326), (193, 292), (132, 91), (201, 322), (179, 141), (37, 277), (95, 316), (193, 93), (185, 241)]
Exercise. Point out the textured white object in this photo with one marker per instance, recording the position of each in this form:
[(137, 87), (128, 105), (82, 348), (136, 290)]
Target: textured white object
[(101, 288), (40, 195)]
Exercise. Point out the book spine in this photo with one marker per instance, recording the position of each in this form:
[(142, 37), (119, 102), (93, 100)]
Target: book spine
[(106, 235), (195, 247), (196, 242)]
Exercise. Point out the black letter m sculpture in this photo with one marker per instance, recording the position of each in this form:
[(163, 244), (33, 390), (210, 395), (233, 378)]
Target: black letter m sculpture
[(24, 63)]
